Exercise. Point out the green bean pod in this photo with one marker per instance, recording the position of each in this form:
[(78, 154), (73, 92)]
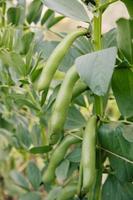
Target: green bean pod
[(68, 192), (58, 155), (56, 57), (89, 154), (61, 105), (79, 88)]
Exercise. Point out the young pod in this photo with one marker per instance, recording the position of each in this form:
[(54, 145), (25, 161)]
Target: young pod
[(89, 154), (56, 57), (61, 105), (58, 155)]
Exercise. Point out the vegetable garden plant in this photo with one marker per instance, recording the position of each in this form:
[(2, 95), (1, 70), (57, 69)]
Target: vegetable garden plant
[(66, 106)]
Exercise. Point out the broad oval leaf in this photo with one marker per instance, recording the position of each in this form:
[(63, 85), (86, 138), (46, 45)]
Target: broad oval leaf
[(74, 119), (31, 196), (96, 70), (122, 85), (71, 8), (15, 15), (19, 179), (113, 189), (125, 38), (34, 11), (111, 138), (34, 175), (62, 170), (75, 155)]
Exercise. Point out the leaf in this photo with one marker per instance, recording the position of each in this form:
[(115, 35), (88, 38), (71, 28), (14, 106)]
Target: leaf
[(46, 16), (62, 170), (31, 196), (21, 101), (18, 63), (55, 21), (23, 137), (109, 39), (40, 149), (115, 190), (74, 119), (96, 70), (128, 133), (26, 42), (121, 169), (111, 138), (125, 38), (34, 11), (122, 85), (74, 9), (75, 155), (83, 45), (54, 193), (34, 175), (19, 179), (15, 15)]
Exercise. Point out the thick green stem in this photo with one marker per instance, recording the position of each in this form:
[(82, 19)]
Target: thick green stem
[(97, 24), (95, 194)]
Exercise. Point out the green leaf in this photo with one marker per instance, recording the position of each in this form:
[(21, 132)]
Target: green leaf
[(40, 149), (14, 60), (46, 16), (54, 193), (75, 155), (83, 45), (26, 42), (23, 137), (21, 101), (18, 63), (128, 133), (15, 15), (121, 169), (115, 190), (31, 196), (73, 9), (125, 38), (19, 179), (34, 11), (111, 138), (34, 175), (96, 70), (54, 21), (74, 119), (109, 39), (122, 85), (62, 170)]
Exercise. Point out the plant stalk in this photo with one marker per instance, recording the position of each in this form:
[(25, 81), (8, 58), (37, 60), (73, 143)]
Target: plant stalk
[(95, 193)]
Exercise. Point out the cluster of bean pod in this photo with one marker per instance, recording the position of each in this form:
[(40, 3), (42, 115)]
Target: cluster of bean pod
[(71, 87)]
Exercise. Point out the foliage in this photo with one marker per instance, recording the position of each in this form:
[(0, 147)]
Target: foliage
[(104, 67)]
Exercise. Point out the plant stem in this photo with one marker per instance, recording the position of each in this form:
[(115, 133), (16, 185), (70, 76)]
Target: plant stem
[(97, 23), (95, 193)]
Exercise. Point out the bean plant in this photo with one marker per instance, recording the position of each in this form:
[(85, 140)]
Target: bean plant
[(66, 104)]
